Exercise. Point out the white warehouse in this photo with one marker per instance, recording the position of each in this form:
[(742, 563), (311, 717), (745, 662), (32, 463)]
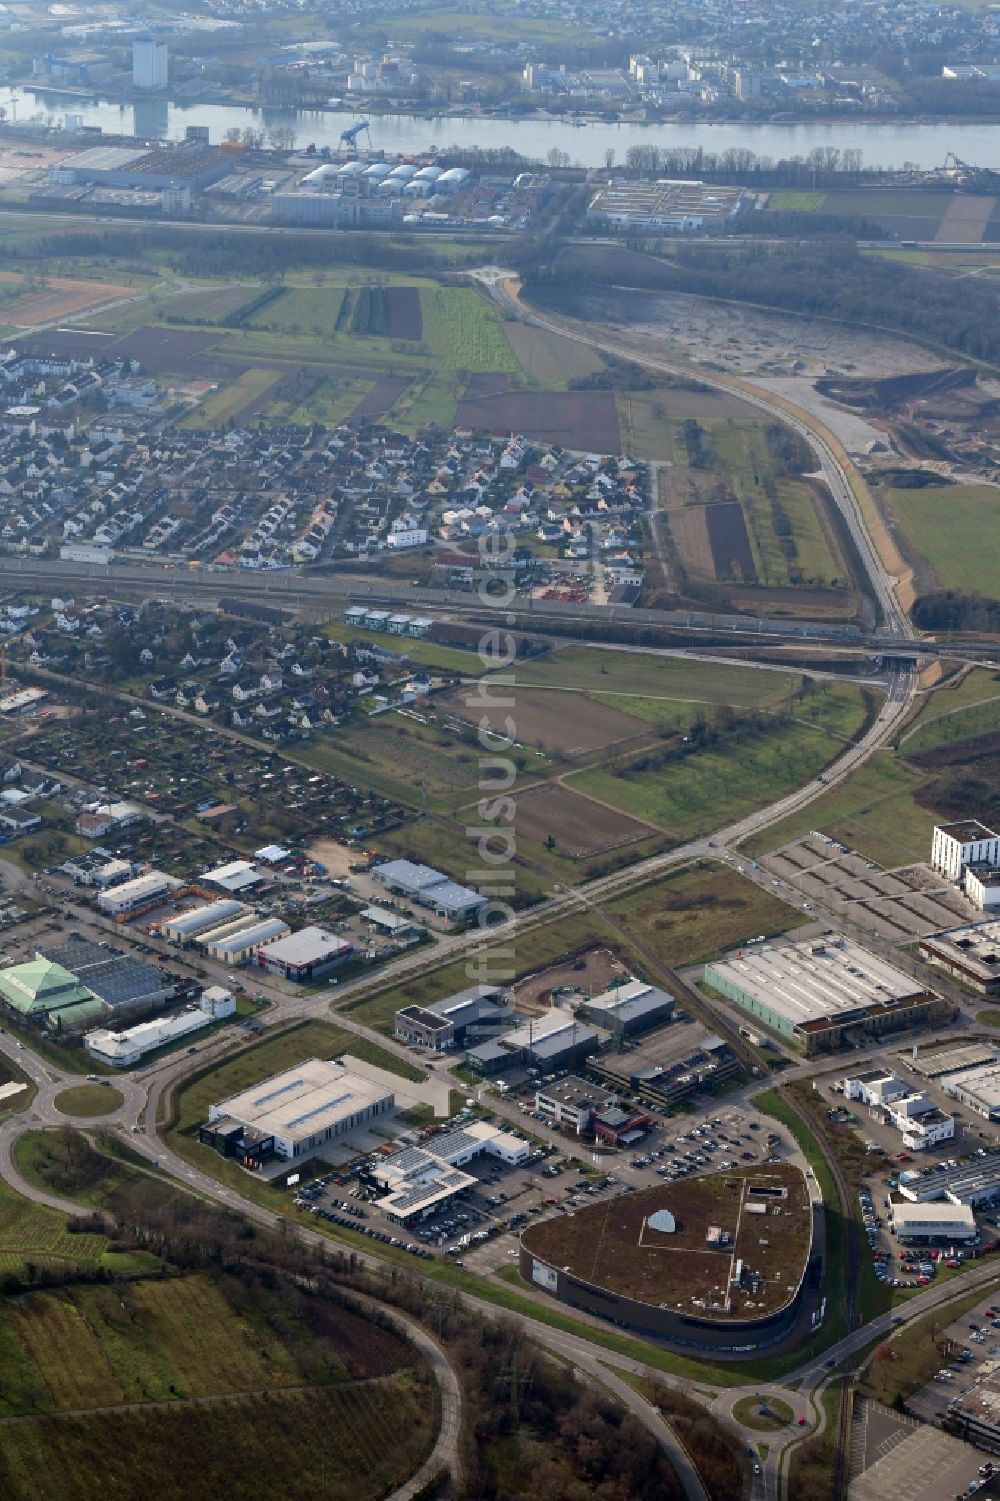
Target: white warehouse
[(234, 948), (122, 1049), (942, 1223), (142, 892), (187, 925)]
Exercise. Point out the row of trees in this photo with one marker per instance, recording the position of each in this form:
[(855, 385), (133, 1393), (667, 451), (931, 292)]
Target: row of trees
[(278, 137)]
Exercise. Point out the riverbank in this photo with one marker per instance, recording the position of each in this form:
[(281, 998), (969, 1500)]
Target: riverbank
[(588, 143)]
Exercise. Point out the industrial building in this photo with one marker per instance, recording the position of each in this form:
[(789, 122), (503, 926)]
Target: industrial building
[(949, 1058), (574, 1103), (141, 892), (234, 946), (967, 842), (978, 1088), (123, 1049), (188, 164), (933, 1224), (972, 953), (976, 1413), (417, 1180), (238, 875), (820, 995), (70, 984), (429, 888), (630, 1007), (304, 955), (122, 982), (971, 1183), (125, 984), (667, 205), (546, 1043), (186, 926), (295, 1113), (298, 207), (723, 1262), (447, 1023)]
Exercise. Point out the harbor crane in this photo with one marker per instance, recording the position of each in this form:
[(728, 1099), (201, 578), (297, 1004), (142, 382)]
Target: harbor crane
[(967, 175), (349, 136)]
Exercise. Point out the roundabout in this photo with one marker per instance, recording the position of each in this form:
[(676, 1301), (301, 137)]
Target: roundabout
[(89, 1100), (763, 1413)]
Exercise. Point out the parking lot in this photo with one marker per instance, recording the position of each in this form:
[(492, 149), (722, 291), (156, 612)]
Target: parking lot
[(970, 1348), (899, 904)]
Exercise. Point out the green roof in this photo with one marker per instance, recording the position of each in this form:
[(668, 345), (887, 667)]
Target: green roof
[(40, 986)]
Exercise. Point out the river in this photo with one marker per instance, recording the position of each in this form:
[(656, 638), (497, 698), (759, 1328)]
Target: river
[(881, 145)]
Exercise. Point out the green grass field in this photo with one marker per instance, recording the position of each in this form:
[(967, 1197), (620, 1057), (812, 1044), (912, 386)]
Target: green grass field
[(424, 653), (957, 529), (641, 675), (713, 787), (89, 1099), (310, 310), (232, 400), (873, 811), (797, 203), (952, 721), (692, 915)]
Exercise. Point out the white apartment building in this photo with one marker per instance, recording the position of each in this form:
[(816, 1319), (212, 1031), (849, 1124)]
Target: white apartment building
[(967, 842)]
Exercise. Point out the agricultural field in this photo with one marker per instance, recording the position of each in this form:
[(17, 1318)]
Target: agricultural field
[(585, 421), (652, 421), (553, 722), (211, 305), (463, 331), (956, 529), (29, 302), (909, 215), (32, 1235), (739, 513), (298, 310), (575, 826), (196, 1453), (692, 915), (548, 359), (199, 1385)]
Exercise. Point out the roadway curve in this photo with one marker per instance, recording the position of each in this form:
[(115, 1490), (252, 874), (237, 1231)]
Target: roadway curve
[(498, 284)]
